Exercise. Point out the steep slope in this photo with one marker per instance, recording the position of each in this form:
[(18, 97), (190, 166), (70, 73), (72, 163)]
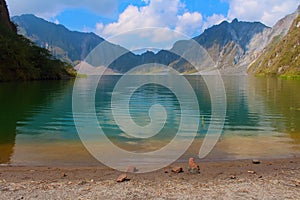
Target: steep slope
[(67, 45), (73, 46), (4, 17), (236, 31), (20, 59), (226, 43), (282, 56), (260, 41)]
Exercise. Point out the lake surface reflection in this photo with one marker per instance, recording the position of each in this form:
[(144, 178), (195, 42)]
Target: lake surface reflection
[(37, 126)]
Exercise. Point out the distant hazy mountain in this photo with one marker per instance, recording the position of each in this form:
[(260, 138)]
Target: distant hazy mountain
[(282, 54)]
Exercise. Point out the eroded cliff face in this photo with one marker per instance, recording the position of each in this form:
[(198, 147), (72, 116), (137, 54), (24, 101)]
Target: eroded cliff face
[(260, 42), (225, 43), (281, 56), (4, 16)]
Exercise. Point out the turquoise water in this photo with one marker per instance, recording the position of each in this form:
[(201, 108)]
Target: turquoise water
[(37, 126)]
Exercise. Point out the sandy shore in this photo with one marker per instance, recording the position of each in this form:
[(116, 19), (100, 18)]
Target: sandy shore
[(272, 179)]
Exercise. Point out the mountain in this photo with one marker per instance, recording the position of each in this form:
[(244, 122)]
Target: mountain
[(226, 43), (223, 34), (129, 60), (260, 41), (281, 57), (20, 59), (4, 17), (67, 45), (74, 46)]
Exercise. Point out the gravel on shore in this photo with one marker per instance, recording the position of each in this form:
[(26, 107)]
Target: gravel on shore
[(271, 179)]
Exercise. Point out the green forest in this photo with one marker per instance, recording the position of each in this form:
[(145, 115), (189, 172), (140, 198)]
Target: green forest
[(20, 59)]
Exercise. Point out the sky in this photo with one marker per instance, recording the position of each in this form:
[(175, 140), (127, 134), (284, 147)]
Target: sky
[(188, 18)]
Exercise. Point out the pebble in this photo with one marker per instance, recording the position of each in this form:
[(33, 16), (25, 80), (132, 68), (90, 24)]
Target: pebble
[(82, 183), (177, 170), (193, 167), (122, 178), (256, 162)]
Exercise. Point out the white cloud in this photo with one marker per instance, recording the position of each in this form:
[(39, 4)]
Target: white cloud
[(213, 20), (51, 8), (158, 13), (189, 23), (147, 38), (56, 21), (266, 11), (99, 26), (170, 14)]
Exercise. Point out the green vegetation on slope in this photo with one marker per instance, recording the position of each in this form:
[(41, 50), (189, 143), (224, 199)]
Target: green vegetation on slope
[(66, 45), (20, 59), (282, 56)]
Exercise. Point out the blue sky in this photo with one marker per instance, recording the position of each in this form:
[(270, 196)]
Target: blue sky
[(109, 18), (82, 16), (83, 19)]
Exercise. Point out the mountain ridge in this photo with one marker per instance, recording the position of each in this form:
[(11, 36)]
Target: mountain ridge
[(233, 46), (21, 59), (281, 57), (225, 43), (260, 41), (63, 43)]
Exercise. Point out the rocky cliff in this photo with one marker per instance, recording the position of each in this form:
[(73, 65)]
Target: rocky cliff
[(227, 43), (258, 44), (4, 16), (281, 57)]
